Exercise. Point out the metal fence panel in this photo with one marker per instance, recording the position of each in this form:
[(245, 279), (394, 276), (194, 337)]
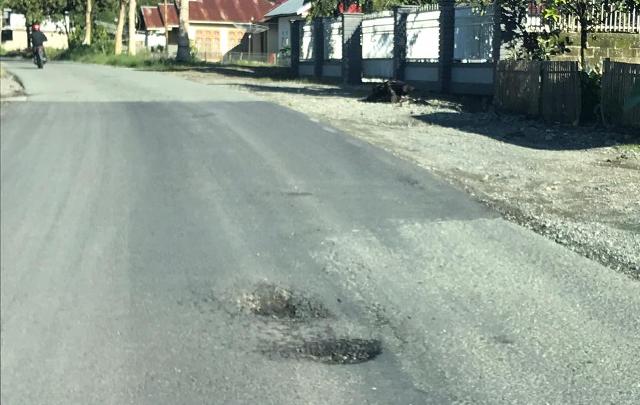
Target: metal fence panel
[(473, 34)]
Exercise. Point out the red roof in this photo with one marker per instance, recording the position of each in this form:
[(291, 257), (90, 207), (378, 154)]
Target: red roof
[(153, 17), (228, 10), (172, 14), (241, 11)]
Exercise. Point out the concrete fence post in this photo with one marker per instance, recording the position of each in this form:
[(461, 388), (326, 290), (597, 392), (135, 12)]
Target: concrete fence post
[(447, 40), (400, 14), (497, 33), (496, 44), (352, 48), (318, 46), (295, 46)]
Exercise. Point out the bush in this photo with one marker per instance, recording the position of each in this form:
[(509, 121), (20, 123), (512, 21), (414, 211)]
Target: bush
[(591, 86)]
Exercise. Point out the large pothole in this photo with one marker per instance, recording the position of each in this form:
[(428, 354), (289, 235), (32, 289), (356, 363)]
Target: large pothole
[(332, 351), (272, 301)]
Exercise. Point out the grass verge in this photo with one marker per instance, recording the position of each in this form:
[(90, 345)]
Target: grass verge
[(144, 60)]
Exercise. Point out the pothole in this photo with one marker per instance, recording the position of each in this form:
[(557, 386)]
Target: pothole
[(277, 302), (333, 351)]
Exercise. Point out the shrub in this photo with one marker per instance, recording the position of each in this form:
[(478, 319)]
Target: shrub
[(591, 86)]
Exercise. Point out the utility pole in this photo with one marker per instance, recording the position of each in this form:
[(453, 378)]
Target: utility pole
[(166, 29)]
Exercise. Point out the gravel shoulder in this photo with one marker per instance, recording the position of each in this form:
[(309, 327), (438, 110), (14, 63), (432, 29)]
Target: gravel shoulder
[(9, 85), (577, 186)]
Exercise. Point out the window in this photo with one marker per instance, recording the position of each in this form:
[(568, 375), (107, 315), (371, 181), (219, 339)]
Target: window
[(6, 19)]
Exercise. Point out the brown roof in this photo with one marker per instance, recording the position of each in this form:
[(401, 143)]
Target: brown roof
[(172, 14), (153, 17), (228, 10), (240, 11)]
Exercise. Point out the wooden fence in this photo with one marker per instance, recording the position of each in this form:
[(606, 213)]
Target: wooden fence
[(618, 81), (517, 87), (561, 98), (548, 89)]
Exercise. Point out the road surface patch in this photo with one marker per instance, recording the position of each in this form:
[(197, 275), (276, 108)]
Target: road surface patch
[(281, 303)]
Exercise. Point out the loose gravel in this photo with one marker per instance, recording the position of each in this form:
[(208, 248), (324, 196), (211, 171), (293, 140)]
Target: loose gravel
[(9, 86)]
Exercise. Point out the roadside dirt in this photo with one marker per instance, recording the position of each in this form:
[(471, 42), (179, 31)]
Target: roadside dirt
[(577, 186), (9, 86)]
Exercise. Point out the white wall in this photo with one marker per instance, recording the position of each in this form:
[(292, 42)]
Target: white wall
[(56, 36), (152, 39), (17, 21), (284, 32), (272, 38), (332, 38), (423, 35), (306, 43), (377, 37)]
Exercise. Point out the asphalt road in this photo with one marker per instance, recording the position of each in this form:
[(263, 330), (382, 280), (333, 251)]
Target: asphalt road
[(140, 211)]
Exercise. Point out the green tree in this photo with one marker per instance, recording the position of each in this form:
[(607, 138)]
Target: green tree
[(326, 8)]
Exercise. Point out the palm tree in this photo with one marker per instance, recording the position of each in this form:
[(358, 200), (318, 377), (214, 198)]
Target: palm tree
[(132, 27), (120, 27), (87, 22), (184, 49)]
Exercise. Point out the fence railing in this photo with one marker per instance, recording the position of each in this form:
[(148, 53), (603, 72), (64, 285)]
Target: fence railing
[(611, 20), (404, 44), (618, 81)]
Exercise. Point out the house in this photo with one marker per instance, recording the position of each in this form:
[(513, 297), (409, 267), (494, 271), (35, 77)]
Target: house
[(216, 27), (280, 18), (14, 32), (152, 22)]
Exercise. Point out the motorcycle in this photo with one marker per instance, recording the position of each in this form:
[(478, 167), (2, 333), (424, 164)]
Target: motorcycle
[(38, 57)]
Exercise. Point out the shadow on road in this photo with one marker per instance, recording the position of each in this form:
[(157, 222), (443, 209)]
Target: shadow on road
[(309, 90), (254, 72)]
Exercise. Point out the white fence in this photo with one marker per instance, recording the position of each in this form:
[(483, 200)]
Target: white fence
[(471, 68), (423, 36), (611, 20), (306, 42), (377, 36), (332, 39)]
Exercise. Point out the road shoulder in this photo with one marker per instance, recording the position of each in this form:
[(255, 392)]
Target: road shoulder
[(10, 86), (576, 186)]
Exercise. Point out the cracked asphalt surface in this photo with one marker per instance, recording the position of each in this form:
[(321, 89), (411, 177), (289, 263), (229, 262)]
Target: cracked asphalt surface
[(138, 210)]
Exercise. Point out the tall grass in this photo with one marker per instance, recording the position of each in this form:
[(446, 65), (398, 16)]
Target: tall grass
[(142, 60)]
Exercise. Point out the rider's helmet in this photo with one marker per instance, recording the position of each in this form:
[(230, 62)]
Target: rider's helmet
[(36, 27)]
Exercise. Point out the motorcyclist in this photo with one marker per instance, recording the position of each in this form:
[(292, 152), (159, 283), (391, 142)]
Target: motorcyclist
[(37, 40)]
